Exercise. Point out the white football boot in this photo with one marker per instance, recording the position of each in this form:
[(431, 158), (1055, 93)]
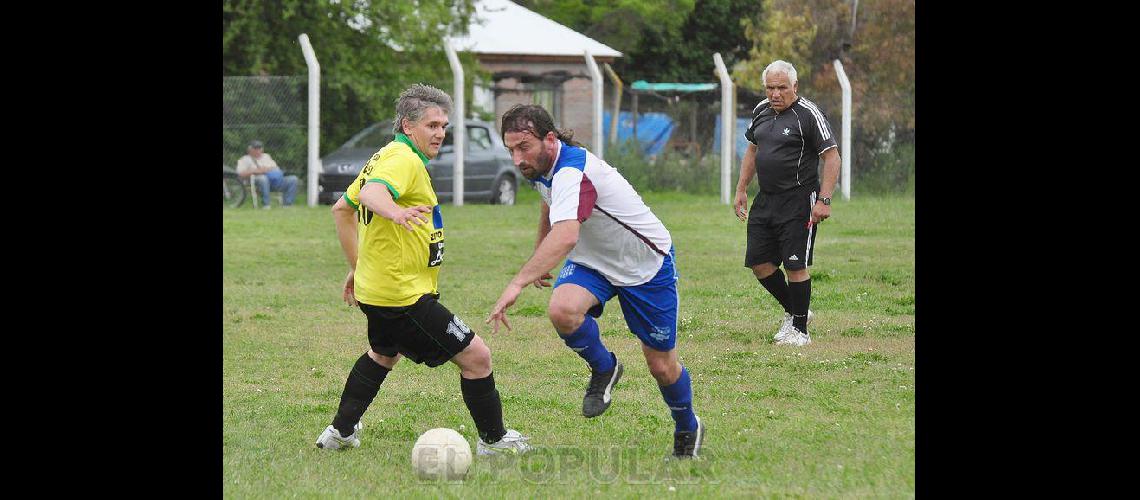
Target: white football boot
[(512, 443), (786, 326), (795, 337), (331, 439)]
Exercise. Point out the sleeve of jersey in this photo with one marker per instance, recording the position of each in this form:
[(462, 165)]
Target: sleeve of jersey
[(819, 131), (748, 133), (394, 172), (352, 192), (572, 196)]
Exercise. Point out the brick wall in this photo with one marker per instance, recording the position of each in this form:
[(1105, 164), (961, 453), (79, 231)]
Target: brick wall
[(574, 108)]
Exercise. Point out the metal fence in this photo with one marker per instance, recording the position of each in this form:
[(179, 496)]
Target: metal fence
[(677, 146), (687, 158), (272, 109)]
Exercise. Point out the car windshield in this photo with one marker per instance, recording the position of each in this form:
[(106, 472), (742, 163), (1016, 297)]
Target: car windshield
[(379, 135), (477, 138), (376, 137)]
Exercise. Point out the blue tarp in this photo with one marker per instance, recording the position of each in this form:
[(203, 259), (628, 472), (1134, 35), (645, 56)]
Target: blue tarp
[(741, 143), (653, 129)]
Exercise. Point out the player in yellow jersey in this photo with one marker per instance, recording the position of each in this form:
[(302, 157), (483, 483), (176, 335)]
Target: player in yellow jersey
[(391, 231)]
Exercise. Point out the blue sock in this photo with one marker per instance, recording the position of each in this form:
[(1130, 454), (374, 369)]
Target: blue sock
[(588, 344), (679, 397)]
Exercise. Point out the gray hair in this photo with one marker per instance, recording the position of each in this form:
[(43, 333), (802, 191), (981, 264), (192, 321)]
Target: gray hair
[(780, 66), (415, 100)]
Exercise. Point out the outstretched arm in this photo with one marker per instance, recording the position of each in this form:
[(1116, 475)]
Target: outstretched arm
[(553, 248), (543, 230)]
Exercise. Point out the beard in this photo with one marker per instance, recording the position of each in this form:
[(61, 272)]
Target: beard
[(543, 166)]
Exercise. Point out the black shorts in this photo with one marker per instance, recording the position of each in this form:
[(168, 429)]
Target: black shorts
[(777, 229), (424, 332)]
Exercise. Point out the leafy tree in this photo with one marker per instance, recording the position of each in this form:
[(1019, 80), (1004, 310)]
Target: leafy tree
[(781, 35), (621, 24), (811, 34), (669, 41), (368, 51)]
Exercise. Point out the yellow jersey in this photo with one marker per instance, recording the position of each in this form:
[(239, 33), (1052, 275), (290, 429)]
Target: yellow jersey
[(394, 267)]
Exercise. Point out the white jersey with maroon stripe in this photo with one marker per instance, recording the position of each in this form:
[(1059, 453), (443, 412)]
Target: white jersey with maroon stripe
[(620, 237)]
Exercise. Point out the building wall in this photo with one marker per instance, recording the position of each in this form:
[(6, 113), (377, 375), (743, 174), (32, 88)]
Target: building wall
[(575, 93)]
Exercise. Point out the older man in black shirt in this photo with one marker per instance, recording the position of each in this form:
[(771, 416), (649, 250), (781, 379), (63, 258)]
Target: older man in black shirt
[(788, 136)]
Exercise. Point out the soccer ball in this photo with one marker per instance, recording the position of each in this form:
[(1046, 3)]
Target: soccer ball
[(441, 454)]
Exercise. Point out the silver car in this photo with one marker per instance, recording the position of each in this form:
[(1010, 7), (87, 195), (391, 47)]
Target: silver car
[(488, 174)]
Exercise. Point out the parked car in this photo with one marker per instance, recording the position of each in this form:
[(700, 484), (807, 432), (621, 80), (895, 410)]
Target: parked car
[(489, 175)]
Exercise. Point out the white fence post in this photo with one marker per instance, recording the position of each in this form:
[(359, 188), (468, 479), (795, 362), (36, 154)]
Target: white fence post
[(727, 120), (845, 148), (596, 79), (459, 123), (314, 120)]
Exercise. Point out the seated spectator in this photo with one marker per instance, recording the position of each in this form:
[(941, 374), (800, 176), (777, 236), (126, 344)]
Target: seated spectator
[(267, 175)]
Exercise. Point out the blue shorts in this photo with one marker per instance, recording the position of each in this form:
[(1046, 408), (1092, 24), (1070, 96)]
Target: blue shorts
[(650, 309)]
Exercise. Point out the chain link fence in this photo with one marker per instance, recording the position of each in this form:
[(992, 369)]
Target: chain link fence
[(678, 133), (678, 146), (272, 109)]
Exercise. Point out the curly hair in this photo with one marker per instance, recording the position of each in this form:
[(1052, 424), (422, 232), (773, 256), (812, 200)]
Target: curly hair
[(534, 119)]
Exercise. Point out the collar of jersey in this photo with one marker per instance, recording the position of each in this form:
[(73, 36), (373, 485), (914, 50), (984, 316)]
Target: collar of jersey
[(406, 140), (554, 163)]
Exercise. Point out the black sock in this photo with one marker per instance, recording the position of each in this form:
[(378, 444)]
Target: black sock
[(486, 409), (778, 287), (800, 293), (361, 387)]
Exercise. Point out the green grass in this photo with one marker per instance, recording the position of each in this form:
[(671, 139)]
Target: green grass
[(835, 418)]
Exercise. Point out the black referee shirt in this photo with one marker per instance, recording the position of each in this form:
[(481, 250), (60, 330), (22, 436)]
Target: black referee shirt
[(788, 144)]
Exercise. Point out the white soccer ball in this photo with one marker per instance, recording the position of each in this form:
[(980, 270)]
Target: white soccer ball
[(441, 454)]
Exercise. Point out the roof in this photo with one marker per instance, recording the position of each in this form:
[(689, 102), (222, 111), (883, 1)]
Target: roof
[(504, 27)]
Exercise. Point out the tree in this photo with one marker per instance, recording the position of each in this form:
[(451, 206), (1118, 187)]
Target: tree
[(686, 54), (625, 25), (368, 51), (811, 34), (660, 42)]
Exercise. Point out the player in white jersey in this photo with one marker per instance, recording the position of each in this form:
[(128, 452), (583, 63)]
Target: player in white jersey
[(613, 245)]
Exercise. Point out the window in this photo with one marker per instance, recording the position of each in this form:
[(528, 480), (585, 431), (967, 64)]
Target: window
[(550, 98), (478, 138), (545, 98), (376, 138)]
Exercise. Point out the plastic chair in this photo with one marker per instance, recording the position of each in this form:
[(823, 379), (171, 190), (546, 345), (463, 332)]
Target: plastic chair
[(257, 197)]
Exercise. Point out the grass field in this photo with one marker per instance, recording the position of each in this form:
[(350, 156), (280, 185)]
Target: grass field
[(835, 418)]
